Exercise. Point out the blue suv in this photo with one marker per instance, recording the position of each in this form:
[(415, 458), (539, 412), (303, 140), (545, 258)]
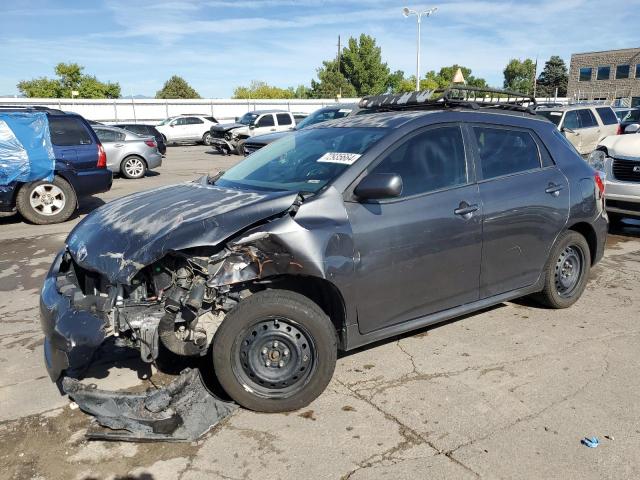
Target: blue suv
[(80, 170)]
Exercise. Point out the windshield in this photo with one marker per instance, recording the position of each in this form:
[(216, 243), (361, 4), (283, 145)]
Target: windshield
[(248, 118), (555, 117), (323, 115), (166, 121), (631, 116), (303, 162)]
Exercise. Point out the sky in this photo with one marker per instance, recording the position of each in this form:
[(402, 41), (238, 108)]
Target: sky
[(217, 45)]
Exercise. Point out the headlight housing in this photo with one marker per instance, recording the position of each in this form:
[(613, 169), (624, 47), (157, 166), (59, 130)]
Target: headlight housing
[(597, 159)]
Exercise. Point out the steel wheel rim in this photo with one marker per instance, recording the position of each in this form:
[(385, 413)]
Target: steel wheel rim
[(568, 271), (274, 358), (207, 139), (47, 199), (134, 167)]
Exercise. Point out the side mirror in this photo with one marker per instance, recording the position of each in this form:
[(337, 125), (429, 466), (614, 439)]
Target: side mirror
[(570, 130), (633, 128), (237, 118), (252, 126), (172, 125), (378, 186)]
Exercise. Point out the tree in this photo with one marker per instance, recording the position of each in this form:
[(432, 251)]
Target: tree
[(331, 82), (363, 67), (440, 80), (258, 89), (554, 75), (70, 78), (519, 75), (176, 87)]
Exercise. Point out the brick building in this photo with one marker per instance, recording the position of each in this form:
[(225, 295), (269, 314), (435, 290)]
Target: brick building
[(608, 75)]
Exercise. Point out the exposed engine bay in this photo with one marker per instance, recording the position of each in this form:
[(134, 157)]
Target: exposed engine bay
[(178, 301)]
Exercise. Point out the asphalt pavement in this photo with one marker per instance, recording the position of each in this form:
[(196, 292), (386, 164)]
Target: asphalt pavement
[(508, 392)]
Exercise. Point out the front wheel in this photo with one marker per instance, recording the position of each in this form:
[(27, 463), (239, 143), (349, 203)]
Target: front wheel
[(207, 138), (275, 352), (46, 202), (566, 272), (133, 167)]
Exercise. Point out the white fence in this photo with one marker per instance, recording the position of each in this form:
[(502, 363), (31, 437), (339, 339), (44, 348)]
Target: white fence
[(154, 110)]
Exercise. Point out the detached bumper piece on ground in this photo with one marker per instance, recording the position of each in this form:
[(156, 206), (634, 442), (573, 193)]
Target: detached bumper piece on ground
[(182, 411)]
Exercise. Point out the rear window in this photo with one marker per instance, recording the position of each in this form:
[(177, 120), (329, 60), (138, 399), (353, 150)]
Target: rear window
[(107, 136), (66, 131), (607, 116), (555, 117), (211, 119), (136, 128)]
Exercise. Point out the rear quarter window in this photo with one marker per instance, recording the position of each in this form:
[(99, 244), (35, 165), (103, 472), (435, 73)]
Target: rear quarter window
[(67, 131), (607, 116), (284, 119)]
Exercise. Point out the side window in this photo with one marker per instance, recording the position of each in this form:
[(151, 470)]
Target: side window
[(106, 136), (587, 120), (607, 116), (266, 121), (193, 120), (284, 119), (121, 136), (66, 131), (179, 121), (432, 160), (211, 119), (571, 120), (505, 152)]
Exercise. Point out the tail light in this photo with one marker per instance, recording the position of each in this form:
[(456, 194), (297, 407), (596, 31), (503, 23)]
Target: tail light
[(102, 157), (620, 130), (599, 185), (151, 143)]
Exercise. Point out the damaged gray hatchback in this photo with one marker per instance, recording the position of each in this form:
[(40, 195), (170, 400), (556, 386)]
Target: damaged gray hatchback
[(336, 236)]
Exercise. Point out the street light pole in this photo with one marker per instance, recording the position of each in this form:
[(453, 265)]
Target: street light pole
[(427, 13)]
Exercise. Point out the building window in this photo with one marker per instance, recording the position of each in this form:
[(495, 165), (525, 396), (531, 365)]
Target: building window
[(585, 74), (638, 70), (622, 71), (604, 73), (635, 102)]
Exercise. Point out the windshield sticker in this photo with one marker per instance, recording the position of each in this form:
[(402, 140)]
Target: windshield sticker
[(344, 110), (337, 157), (556, 114)]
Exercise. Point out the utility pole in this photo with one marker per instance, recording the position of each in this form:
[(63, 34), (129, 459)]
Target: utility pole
[(535, 74), (339, 58), (427, 13)]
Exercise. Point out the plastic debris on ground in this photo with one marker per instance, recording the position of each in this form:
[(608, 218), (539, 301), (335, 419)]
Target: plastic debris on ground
[(26, 153), (182, 411), (592, 442)]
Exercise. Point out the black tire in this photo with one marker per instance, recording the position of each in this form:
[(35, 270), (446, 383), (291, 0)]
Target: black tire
[(206, 138), (45, 202), (566, 272), (133, 167), (282, 322)]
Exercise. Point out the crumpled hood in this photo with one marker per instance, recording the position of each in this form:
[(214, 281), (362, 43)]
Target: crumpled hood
[(225, 127), (123, 236), (623, 146)]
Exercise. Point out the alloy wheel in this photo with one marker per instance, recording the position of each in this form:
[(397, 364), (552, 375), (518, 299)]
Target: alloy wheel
[(47, 199), (134, 167)]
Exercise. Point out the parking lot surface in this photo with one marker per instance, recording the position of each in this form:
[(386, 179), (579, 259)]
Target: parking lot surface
[(505, 393)]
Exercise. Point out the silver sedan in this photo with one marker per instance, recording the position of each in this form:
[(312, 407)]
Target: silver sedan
[(129, 154)]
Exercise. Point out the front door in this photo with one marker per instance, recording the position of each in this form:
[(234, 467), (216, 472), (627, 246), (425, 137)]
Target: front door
[(525, 201), (264, 124), (419, 253)]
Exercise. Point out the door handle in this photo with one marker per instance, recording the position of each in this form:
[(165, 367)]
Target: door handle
[(465, 210), (272, 130), (554, 189), (119, 145)]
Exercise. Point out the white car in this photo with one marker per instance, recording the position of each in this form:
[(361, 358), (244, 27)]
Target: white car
[(187, 129), (618, 156)]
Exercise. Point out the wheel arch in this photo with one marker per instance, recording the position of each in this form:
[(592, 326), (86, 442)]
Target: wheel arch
[(589, 233), (320, 291)]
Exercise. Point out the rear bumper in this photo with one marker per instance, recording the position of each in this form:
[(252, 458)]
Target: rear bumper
[(71, 335), (154, 160), (89, 181), (601, 227)]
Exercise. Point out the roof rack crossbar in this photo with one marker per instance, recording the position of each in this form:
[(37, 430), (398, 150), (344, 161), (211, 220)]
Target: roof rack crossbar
[(454, 96)]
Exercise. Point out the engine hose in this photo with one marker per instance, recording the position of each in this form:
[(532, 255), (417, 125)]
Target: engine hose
[(168, 337)]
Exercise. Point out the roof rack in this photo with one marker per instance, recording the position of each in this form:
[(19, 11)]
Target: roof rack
[(455, 96)]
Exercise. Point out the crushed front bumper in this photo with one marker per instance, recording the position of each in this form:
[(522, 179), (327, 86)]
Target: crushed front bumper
[(72, 334)]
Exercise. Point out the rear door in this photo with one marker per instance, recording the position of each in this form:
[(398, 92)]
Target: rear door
[(196, 128), (114, 146), (589, 130), (285, 122), (525, 202), (73, 143), (608, 120), (571, 129), (419, 253)]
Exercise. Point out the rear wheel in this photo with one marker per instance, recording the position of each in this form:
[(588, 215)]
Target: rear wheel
[(566, 272), (133, 167), (275, 352), (45, 202)]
